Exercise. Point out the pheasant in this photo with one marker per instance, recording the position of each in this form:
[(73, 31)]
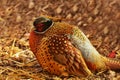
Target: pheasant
[(63, 49)]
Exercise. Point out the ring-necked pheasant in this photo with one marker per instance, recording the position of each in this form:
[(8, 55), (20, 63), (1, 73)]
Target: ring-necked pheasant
[(63, 49)]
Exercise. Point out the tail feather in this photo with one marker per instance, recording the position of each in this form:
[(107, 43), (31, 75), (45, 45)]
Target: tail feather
[(112, 63)]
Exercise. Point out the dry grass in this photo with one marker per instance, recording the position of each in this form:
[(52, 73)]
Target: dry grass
[(99, 19)]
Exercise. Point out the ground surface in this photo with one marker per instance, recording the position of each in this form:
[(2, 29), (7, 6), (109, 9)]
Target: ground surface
[(99, 20)]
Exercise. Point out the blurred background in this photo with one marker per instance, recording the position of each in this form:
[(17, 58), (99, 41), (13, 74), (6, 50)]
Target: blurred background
[(98, 19)]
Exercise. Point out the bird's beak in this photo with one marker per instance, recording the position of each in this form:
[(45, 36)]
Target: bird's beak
[(33, 29)]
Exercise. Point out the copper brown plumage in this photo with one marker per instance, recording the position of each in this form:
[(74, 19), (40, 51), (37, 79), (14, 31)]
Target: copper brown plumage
[(56, 54), (64, 50)]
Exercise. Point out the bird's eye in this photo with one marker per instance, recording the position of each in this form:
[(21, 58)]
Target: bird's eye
[(42, 24)]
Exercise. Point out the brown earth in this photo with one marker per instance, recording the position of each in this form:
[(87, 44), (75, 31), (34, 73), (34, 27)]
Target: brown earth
[(98, 19)]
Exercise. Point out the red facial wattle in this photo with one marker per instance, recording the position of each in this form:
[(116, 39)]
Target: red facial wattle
[(40, 27), (42, 24)]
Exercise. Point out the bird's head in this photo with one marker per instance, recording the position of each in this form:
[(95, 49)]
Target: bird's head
[(42, 24)]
